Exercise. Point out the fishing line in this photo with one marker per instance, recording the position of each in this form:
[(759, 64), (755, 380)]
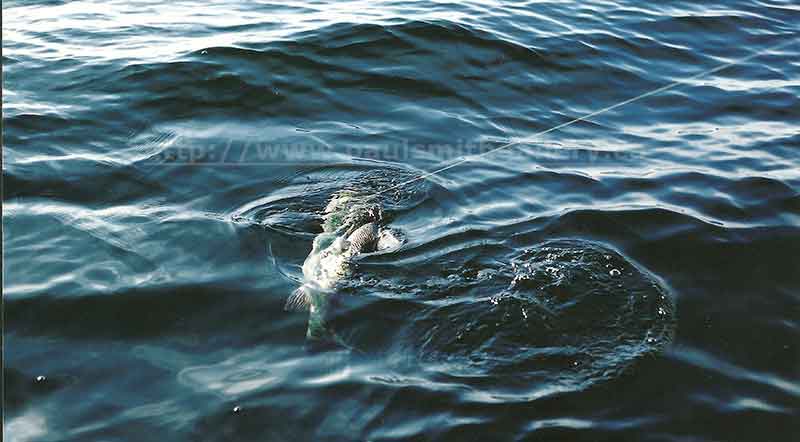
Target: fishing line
[(537, 135)]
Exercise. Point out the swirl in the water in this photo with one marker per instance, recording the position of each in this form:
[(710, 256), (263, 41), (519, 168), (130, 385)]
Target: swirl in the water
[(573, 313)]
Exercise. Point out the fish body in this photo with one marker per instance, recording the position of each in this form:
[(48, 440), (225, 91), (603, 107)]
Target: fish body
[(349, 229)]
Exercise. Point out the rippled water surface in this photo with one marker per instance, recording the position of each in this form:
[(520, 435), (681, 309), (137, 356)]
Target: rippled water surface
[(630, 276)]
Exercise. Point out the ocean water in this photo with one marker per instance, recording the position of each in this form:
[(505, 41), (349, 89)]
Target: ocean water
[(633, 275)]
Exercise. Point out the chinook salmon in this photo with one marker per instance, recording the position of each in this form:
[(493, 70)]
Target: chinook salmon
[(350, 227)]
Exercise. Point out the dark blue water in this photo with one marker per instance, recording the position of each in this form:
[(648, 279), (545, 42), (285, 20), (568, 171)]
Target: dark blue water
[(631, 276)]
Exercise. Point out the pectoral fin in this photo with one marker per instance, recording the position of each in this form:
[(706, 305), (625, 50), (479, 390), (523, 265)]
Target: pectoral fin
[(363, 239), (298, 301)]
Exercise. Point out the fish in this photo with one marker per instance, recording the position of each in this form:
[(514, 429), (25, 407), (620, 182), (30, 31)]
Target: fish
[(350, 227)]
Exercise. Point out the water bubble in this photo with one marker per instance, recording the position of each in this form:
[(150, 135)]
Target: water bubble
[(237, 409), (40, 378), (486, 273), (614, 272)]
